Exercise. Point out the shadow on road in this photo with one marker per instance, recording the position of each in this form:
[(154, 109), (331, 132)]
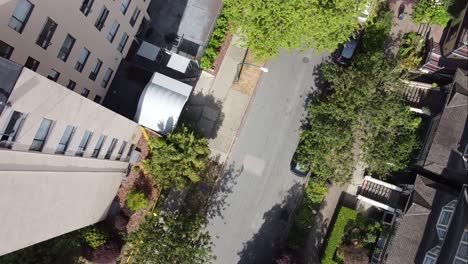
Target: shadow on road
[(268, 240)]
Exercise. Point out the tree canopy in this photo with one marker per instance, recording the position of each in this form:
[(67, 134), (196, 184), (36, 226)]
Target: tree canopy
[(366, 102), (177, 160), (169, 238), (267, 26)]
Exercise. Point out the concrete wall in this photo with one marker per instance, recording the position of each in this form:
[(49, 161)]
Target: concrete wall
[(71, 21), (42, 194)]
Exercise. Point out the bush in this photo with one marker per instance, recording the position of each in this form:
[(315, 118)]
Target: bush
[(304, 216), (411, 49), (217, 39), (336, 237), (94, 236), (432, 12), (136, 200)]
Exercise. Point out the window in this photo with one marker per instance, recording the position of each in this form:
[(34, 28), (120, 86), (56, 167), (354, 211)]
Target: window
[(135, 15), (12, 129), (101, 18), (85, 92), (66, 48), (132, 147), (98, 147), (20, 16), (122, 42), (111, 148), (41, 135), (46, 34), (5, 50), (71, 85), (124, 6), (95, 71), (97, 99), (31, 64), (53, 75), (113, 31), (86, 7), (121, 150), (84, 143), (444, 219), (107, 77), (432, 255), (84, 55), (462, 252), (65, 140)]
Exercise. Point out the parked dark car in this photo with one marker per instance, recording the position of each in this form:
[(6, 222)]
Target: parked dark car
[(296, 167), (345, 52)]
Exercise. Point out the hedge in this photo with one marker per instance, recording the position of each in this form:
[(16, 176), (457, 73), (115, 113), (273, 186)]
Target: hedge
[(214, 45), (344, 216)]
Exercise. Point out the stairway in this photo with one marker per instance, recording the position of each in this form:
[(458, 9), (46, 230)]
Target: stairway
[(377, 192)]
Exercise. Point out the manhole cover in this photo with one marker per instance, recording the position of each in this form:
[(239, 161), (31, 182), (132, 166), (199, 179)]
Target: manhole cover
[(305, 60)]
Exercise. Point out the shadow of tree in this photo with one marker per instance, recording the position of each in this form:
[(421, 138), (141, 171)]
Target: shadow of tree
[(268, 240), (204, 112)]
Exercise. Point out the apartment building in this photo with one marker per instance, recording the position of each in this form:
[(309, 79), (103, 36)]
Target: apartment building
[(62, 158), (76, 43)]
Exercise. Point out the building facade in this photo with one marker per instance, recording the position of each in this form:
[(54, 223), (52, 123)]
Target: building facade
[(78, 44), (62, 158)]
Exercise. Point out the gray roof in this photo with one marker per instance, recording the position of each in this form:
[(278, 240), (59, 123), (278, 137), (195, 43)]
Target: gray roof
[(457, 225), (444, 156), (416, 231)]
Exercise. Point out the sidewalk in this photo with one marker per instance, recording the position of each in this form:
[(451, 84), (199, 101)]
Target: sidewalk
[(216, 107)]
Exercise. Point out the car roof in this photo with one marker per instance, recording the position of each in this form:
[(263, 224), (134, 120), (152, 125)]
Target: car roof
[(349, 48)]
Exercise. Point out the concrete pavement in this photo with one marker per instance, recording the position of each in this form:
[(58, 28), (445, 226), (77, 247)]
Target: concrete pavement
[(254, 209)]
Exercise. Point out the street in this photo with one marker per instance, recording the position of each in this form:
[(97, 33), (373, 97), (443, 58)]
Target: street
[(253, 208)]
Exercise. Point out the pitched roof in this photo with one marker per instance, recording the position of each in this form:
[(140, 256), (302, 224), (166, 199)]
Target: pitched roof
[(416, 231), (451, 136)]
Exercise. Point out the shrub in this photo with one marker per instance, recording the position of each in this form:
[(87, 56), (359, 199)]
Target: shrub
[(136, 200), (316, 191), (94, 236), (216, 40), (411, 49), (336, 237), (377, 33)]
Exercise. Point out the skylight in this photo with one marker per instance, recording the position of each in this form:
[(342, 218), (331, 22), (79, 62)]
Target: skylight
[(444, 219)]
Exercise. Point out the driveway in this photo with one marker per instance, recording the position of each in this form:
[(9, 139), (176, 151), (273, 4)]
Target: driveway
[(258, 192)]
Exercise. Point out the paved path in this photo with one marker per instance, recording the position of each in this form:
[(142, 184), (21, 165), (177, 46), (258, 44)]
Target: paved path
[(258, 190)]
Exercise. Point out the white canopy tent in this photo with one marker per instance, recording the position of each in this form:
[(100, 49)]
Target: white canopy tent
[(161, 103)]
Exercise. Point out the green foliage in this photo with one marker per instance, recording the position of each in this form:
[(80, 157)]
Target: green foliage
[(336, 237), (177, 160), (268, 26), (62, 249), (365, 102), (377, 33), (362, 232), (432, 12), (411, 51), (94, 236), (169, 238), (216, 40), (136, 200), (304, 215)]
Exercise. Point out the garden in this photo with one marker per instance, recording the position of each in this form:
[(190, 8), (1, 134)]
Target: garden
[(352, 238)]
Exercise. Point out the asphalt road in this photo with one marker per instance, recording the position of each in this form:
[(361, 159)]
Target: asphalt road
[(258, 191)]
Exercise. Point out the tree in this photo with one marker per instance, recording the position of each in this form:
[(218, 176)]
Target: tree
[(169, 238), (267, 26), (432, 12), (177, 160), (365, 101)]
